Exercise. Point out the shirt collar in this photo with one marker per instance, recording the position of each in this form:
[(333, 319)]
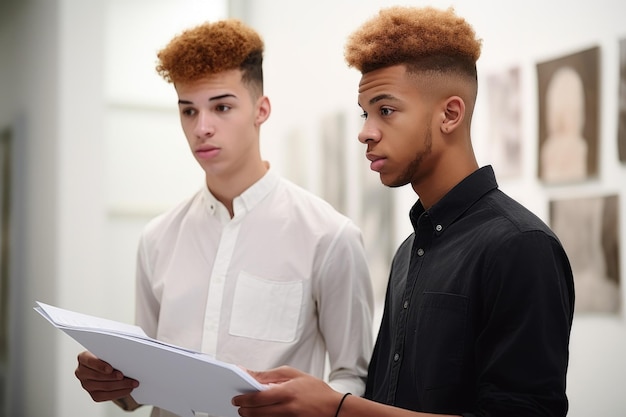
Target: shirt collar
[(456, 201), (247, 200)]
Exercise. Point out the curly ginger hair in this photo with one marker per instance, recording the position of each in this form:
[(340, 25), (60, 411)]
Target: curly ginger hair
[(211, 48), (421, 38)]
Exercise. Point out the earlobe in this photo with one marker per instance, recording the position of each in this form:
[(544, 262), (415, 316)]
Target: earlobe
[(453, 114)]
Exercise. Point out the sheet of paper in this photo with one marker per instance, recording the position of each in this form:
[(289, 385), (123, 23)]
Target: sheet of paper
[(65, 318), (176, 379)]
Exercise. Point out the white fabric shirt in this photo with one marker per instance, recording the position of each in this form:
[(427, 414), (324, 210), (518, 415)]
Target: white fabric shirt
[(283, 282)]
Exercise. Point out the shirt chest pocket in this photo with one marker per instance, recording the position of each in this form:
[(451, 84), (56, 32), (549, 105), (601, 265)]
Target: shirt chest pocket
[(440, 339), (266, 310)]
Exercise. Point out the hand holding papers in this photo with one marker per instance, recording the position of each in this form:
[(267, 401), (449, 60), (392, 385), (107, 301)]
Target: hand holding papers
[(170, 377)]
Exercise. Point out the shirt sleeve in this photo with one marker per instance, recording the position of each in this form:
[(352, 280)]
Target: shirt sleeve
[(146, 305), (344, 296), (522, 348)]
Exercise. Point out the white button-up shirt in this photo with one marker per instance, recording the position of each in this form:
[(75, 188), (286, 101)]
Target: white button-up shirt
[(284, 282)]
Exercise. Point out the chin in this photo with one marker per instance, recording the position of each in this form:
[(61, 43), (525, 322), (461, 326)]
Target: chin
[(390, 182)]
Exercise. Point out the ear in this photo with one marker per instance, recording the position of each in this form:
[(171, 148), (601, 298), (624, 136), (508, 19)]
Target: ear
[(263, 110), (453, 114)]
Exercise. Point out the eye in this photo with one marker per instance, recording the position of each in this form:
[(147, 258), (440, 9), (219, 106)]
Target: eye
[(386, 111), (364, 115), (222, 108), (188, 112)]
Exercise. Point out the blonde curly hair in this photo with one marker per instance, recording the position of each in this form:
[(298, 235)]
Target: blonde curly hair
[(211, 48), (421, 38)]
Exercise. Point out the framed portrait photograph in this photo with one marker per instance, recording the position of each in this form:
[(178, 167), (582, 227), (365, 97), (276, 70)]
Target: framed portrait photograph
[(568, 117), (588, 228)]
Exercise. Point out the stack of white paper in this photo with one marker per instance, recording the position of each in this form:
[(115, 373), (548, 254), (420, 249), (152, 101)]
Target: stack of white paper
[(170, 377)]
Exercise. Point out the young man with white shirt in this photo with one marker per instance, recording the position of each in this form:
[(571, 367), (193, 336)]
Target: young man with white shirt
[(252, 268)]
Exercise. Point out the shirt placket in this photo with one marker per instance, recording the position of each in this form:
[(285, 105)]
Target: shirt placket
[(217, 283), (418, 251)]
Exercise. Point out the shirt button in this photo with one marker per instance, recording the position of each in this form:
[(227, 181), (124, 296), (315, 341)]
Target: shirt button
[(439, 227), (406, 304), (396, 357), (420, 252)]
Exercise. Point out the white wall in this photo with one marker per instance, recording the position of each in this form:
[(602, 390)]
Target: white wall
[(54, 111), (306, 79), (29, 93), (82, 115)]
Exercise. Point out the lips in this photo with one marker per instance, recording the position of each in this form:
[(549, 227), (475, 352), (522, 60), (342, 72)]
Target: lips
[(377, 162), (207, 152)]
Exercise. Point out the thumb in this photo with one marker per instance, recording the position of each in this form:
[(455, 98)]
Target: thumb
[(276, 375)]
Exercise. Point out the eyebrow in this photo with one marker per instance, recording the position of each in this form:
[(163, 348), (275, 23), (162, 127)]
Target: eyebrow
[(380, 97), (210, 99)]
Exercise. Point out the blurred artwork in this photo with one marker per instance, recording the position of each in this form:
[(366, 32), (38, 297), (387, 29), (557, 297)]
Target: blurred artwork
[(505, 143), (568, 117), (621, 130), (589, 231), (333, 160), (376, 220), (345, 175)]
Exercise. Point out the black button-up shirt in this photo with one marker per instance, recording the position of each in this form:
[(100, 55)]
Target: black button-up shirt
[(478, 310)]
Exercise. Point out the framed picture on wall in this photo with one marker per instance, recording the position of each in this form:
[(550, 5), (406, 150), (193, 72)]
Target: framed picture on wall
[(568, 117), (621, 129), (588, 228), (505, 136), (333, 160)]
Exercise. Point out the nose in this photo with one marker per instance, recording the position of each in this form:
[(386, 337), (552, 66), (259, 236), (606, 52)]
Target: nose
[(205, 126), (369, 133)]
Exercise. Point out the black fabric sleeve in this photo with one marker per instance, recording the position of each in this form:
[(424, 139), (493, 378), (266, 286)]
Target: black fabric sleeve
[(522, 348)]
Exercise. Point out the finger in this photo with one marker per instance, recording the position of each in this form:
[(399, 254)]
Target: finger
[(108, 385), (275, 376), (100, 396), (91, 367), (261, 399), (89, 360), (108, 390), (269, 411), (83, 372)]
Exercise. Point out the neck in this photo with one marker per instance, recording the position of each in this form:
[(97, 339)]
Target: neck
[(449, 172), (226, 188)]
